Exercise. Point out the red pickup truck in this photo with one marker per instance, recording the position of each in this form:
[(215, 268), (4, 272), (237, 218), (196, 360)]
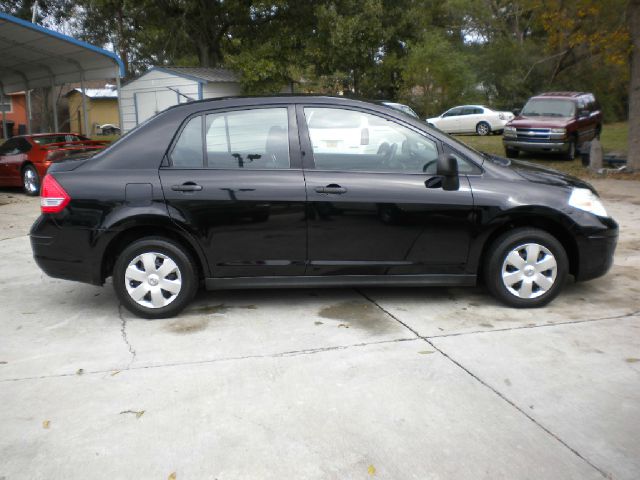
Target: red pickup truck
[(24, 160), (555, 122)]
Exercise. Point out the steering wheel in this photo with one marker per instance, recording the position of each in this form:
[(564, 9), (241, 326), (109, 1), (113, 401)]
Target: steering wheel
[(428, 164)]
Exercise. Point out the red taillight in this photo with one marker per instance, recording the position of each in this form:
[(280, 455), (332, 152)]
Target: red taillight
[(53, 198)]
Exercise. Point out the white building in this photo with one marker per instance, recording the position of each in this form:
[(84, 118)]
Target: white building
[(162, 87)]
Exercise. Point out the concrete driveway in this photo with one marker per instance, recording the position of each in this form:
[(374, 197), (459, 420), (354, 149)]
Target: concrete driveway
[(372, 383)]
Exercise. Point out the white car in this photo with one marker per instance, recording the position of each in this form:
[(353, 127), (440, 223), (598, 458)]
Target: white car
[(470, 119)]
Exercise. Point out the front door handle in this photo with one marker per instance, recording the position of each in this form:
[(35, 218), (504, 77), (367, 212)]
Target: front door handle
[(332, 188), (187, 187)]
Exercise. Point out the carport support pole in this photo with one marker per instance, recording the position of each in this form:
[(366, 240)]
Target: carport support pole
[(5, 133), (54, 105), (121, 126), (29, 112), (85, 121)]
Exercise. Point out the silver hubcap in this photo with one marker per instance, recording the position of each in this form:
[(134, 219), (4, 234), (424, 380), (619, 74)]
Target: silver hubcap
[(153, 280), (483, 129), (30, 180), (529, 270)]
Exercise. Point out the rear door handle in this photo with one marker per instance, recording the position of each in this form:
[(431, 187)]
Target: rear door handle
[(187, 187), (333, 189)]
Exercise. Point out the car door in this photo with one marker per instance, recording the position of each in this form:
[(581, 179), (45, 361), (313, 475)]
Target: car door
[(450, 121), (369, 210), (233, 179)]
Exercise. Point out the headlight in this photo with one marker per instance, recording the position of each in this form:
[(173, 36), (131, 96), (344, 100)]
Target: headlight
[(501, 116), (558, 130), (510, 129), (586, 200)]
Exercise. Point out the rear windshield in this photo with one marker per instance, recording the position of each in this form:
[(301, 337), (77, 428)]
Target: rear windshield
[(538, 107)]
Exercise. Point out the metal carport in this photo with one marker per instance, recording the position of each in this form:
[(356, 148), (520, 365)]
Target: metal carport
[(32, 56)]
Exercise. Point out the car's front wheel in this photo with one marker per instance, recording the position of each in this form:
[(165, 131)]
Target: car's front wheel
[(30, 180), (511, 152), (155, 278), (526, 267)]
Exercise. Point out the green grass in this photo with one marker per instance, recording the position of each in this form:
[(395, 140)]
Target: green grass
[(614, 139)]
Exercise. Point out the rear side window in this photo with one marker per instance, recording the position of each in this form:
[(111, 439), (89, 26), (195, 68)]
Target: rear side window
[(187, 152), (251, 139)]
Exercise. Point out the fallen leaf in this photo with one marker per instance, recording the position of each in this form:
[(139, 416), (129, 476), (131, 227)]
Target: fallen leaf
[(345, 325), (115, 372), (371, 470), (486, 325), (632, 360), (46, 424), (173, 476), (80, 371), (318, 323), (137, 413), (426, 352)]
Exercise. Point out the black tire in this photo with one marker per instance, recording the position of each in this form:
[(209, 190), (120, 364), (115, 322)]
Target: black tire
[(483, 129), (496, 262), (511, 152), (30, 180), (186, 274), (573, 148)]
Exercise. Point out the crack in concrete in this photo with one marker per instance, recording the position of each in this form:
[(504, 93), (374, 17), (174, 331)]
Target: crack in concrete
[(291, 353), (494, 390), (542, 325), (123, 332), (521, 410)]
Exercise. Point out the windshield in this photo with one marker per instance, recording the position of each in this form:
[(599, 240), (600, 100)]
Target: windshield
[(549, 108)]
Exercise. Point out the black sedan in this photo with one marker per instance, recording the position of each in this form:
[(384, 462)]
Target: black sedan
[(310, 192)]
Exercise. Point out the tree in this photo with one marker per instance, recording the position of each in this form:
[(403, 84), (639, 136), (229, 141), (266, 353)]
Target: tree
[(633, 19), (436, 74)]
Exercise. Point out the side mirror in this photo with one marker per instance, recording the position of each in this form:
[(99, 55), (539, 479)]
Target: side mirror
[(516, 111), (448, 170), (583, 113)]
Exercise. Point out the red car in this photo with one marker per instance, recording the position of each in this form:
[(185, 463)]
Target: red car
[(24, 160), (554, 122)]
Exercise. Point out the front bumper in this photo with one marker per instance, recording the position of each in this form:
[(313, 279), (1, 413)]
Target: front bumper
[(596, 252), (537, 146)]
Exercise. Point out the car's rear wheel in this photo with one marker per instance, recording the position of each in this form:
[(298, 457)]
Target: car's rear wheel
[(526, 267), (483, 128), (155, 278), (30, 180), (511, 152)]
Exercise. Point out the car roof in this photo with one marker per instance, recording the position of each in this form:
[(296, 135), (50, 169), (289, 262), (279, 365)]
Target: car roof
[(560, 95)]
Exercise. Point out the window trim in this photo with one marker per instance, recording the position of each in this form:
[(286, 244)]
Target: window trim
[(309, 161), (295, 162), (8, 100)]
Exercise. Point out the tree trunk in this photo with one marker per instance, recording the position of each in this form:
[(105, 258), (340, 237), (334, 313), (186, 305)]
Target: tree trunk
[(633, 19)]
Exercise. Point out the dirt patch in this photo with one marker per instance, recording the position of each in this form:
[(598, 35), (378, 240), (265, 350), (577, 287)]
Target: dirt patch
[(358, 314), (221, 308), (187, 326)]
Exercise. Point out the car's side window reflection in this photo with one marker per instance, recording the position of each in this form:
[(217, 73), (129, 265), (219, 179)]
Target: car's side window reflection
[(251, 139), (350, 140), (187, 153)]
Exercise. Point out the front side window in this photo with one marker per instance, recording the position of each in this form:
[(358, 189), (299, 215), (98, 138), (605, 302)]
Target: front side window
[(454, 112), (252, 139), (349, 140)]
